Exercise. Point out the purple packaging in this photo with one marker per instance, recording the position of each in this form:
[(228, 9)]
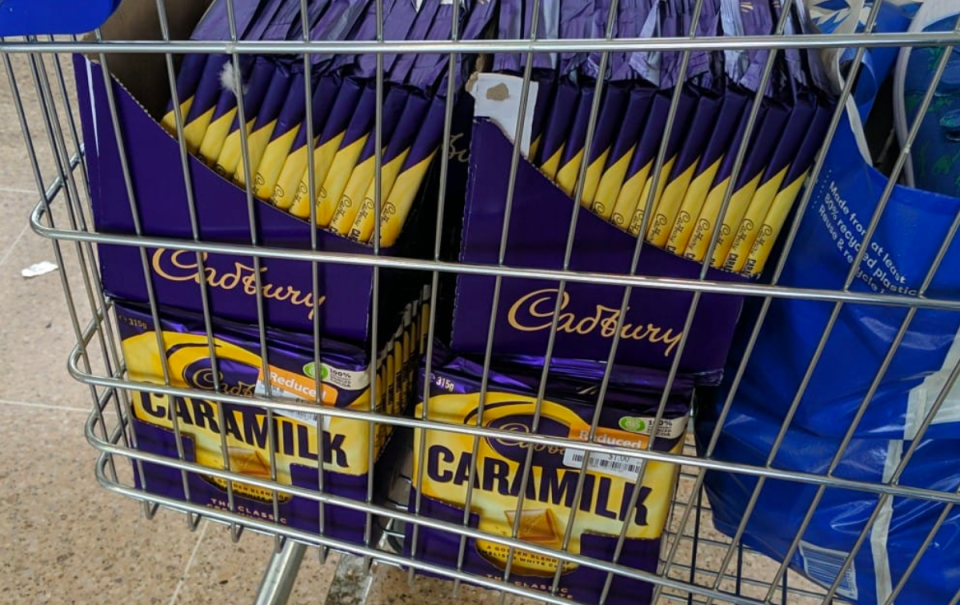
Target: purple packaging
[(295, 164), (336, 24), (396, 28), (343, 302), (266, 120), (705, 119), (363, 173), (735, 61), (510, 27), (671, 26), (630, 18), (421, 26), (631, 203), (757, 20), (576, 23), (392, 162), (573, 147), (634, 119), (549, 512), (540, 220), (647, 63), (548, 28), (203, 103), (609, 122), (557, 127), (205, 424), (734, 104), (708, 26), (601, 13), (255, 92), (546, 91), (428, 67), (364, 31), (224, 114), (287, 128), (341, 113)]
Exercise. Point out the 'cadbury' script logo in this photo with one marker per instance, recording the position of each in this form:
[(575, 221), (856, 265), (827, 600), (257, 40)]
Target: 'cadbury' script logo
[(534, 312), (181, 266)]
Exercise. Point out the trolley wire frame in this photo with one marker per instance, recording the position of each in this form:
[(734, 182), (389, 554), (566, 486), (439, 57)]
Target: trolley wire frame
[(682, 575)]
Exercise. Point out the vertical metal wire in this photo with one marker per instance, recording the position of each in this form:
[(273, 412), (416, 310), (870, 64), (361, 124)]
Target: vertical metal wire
[(199, 257), (258, 277), (314, 277), (375, 289), (435, 284), (192, 520)]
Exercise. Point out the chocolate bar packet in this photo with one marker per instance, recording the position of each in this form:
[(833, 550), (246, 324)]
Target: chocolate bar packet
[(610, 120), (576, 139), (792, 183), (671, 26), (510, 27), (427, 67), (630, 18), (768, 134), (634, 119), (757, 19), (598, 31), (546, 91), (411, 176), (706, 117), (288, 125), (204, 102), (266, 122), (351, 94), (295, 164), (336, 24), (365, 30), (393, 161), (735, 61), (557, 127), (707, 26), (363, 173), (647, 63), (799, 123), (576, 23), (421, 27), (709, 217), (255, 92), (734, 104), (631, 205), (402, 16)]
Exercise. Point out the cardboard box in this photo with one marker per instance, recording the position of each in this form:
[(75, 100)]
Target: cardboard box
[(540, 222)]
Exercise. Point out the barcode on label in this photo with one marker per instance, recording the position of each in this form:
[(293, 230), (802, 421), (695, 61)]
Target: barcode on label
[(260, 390), (610, 464), (823, 565)]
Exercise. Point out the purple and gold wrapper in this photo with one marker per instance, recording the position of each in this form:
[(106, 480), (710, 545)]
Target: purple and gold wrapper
[(411, 176), (557, 128), (647, 63), (336, 24), (706, 117), (634, 119), (783, 202), (609, 122), (767, 136), (670, 27), (601, 13), (576, 23), (224, 115), (734, 105), (709, 217), (287, 128), (363, 172), (510, 27), (549, 517), (573, 147), (231, 153), (546, 91), (421, 27), (708, 26), (341, 114), (188, 79), (396, 28), (800, 121), (630, 18), (757, 18), (631, 205), (392, 162), (203, 103), (365, 31), (266, 122), (295, 163), (428, 67), (343, 162)]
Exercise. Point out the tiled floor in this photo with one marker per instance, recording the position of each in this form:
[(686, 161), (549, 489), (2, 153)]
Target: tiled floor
[(63, 539)]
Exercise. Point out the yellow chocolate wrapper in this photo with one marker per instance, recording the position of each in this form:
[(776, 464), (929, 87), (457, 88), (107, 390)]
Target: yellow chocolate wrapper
[(608, 189), (693, 201), (752, 220), (772, 225)]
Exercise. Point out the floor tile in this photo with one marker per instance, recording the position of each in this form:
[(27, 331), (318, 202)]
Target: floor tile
[(64, 539), (37, 327), (224, 572)]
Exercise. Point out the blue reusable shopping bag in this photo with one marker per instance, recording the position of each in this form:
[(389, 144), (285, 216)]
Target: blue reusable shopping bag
[(38, 17), (911, 231)]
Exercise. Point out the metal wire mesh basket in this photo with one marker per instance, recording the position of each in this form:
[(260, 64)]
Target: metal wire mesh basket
[(696, 563)]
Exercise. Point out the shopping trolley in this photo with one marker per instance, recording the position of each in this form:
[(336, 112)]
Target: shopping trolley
[(697, 564)]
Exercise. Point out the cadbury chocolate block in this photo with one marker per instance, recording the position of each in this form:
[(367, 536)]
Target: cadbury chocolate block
[(681, 172), (609, 122), (734, 103), (557, 128), (549, 512), (573, 147), (203, 103), (204, 424), (635, 118), (255, 91), (266, 121), (284, 133), (392, 162), (801, 120), (365, 167), (421, 26)]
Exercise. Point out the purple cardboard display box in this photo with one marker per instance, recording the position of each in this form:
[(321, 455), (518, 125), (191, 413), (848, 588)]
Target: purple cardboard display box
[(540, 223), (153, 158)]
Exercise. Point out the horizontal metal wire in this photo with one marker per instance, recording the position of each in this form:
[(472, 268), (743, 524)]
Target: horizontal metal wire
[(491, 46), (609, 279)]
